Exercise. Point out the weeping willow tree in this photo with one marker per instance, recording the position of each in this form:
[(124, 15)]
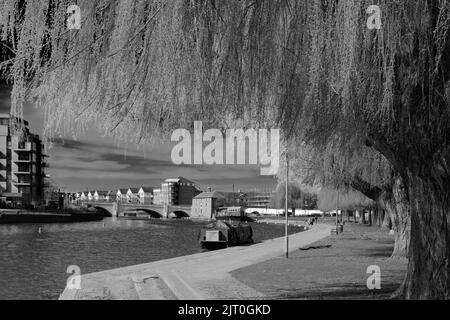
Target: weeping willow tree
[(350, 165), (299, 197), (142, 68), (351, 200), (138, 69), (389, 89)]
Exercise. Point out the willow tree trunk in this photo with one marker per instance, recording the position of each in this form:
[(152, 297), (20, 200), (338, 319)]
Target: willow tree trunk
[(376, 217), (380, 217), (386, 224), (396, 203), (360, 216), (428, 275)]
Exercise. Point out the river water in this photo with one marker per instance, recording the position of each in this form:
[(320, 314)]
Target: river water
[(34, 258)]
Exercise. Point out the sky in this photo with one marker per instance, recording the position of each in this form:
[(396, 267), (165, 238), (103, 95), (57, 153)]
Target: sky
[(94, 162)]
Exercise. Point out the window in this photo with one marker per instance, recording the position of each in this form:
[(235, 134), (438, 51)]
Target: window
[(23, 167), (24, 157), (24, 180)]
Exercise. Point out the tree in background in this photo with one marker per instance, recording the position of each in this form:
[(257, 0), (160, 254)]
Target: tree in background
[(354, 166), (50, 191), (350, 200), (297, 198)]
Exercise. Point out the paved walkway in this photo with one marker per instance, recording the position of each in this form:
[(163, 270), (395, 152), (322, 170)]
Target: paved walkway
[(199, 276)]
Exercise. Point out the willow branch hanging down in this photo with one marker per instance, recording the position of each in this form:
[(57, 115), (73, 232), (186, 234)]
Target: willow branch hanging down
[(142, 68)]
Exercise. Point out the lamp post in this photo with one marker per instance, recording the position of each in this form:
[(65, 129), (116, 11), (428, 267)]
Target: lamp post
[(337, 208), (286, 206)]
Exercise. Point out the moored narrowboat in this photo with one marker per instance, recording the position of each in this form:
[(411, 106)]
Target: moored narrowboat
[(228, 229)]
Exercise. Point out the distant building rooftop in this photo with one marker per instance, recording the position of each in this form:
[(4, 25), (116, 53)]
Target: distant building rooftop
[(207, 195), (103, 193), (180, 180)]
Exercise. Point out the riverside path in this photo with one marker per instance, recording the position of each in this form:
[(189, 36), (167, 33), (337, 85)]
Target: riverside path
[(194, 277)]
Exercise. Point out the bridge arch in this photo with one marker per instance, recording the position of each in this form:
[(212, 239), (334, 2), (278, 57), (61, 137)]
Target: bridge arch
[(152, 213), (178, 214), (106, 211)]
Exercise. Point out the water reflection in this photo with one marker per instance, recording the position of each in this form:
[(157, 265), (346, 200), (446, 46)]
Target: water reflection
[(33, 265), (106, 224)]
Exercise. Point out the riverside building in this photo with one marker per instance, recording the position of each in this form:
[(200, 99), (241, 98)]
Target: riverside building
[(21, 163), (178, 191)]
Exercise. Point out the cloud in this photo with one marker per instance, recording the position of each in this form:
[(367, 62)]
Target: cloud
[(96, 162), (99, 164)]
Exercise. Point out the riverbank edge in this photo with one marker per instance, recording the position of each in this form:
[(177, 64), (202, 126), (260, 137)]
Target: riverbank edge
[(203, 270), (18, 216)]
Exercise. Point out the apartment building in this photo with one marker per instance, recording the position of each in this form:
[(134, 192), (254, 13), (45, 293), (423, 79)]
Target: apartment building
[(145, 195), (258, 199), (122, 195), (177, 191), (21, 163), (157, 196), (102, 195), (133, 195)]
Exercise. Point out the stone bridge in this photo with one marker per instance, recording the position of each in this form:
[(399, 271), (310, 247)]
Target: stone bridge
[(156, 211)]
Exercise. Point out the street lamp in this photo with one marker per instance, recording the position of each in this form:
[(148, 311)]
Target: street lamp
[(286, 206), (337, 207)]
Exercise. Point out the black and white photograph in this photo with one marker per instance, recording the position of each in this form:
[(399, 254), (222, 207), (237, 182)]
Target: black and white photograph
[(241, 151)]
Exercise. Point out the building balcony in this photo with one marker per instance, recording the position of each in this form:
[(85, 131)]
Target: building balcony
[(22, 183), (22, 160), (26, 147)]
